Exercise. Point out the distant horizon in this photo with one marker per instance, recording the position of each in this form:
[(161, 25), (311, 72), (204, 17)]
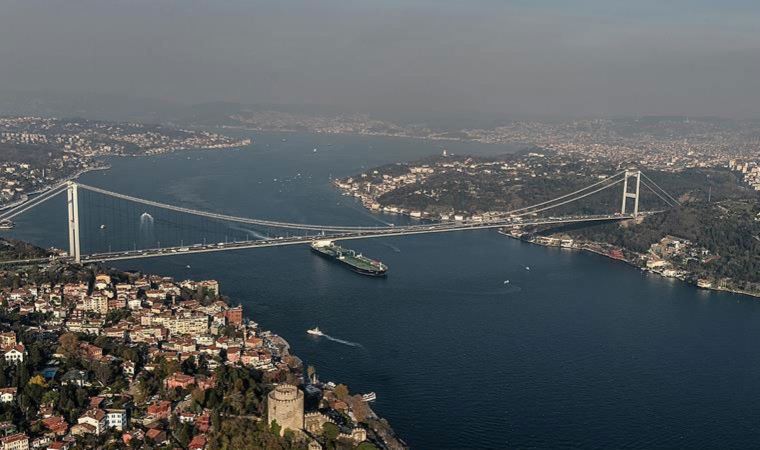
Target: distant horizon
[(93, 106)]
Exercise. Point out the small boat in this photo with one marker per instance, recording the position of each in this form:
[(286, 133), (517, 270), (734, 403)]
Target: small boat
[(6, 225), (506, 281), (371, 397), (315, 332), (527, 267), (102, 226)]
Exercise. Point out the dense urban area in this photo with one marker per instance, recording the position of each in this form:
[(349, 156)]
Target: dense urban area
[(711, 239), (665, 143), (106, 359)]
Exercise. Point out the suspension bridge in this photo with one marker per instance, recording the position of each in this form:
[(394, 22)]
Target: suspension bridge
[(290, 233)]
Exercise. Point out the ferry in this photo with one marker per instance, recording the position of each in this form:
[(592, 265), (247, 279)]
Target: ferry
[(315, 332), (371, 397), (6, 225)]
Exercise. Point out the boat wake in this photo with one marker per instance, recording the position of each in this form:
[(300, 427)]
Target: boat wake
[(393, 247), (249, 232), (341, 341)]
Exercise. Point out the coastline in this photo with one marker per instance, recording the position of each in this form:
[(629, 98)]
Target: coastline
[(586, 247), (105, 166), (352, 133)]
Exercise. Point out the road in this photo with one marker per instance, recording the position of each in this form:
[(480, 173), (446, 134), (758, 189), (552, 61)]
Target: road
[(444, 227)]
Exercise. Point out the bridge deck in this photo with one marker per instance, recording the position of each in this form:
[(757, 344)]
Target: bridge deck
[(296, 240)]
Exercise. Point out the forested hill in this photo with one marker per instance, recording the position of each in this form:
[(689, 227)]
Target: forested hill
[(12, 249), (729, 229)]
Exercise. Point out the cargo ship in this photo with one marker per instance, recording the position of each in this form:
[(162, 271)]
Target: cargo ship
[(355, 261)]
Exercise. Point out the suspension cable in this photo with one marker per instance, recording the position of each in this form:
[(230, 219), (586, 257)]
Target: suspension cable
[(568, 201), (29, 204), (661, 189), (567, 195), (667, 202)]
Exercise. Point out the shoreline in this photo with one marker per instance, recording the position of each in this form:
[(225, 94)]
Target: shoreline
[(634, 265), (26, 196)]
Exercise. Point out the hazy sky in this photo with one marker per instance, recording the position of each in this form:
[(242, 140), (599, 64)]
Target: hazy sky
[(561, 57)]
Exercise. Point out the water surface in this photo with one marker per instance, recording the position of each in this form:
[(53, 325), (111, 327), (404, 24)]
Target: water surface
[(578, 351)]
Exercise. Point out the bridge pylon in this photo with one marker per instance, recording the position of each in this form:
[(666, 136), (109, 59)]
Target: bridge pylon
[(633, 195), (73, 206)]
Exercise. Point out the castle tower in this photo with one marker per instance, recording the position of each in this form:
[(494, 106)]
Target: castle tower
[(285, 405)]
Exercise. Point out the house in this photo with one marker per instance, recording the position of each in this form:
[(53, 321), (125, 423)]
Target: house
[(117, 419), (8, 339), (186, 417), (56, 425), (130, 435), (160, 409), (15, 354), (8, 394), (198, 442), (157, 436), (18, 441), (90, 352), (41, 442), (96, 418), (59, 445), (75, 378), (234, 316), (128, 367), (102, 281), (7, 428), (81, 429), (179, 380)]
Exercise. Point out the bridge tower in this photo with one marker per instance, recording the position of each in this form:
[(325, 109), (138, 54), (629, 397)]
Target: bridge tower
[(633, 195), (73, 203)]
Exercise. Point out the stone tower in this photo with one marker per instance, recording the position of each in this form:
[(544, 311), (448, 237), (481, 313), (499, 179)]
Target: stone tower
[(285, 405)]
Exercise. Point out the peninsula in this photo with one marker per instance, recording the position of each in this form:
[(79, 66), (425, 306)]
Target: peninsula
[(101, 358)]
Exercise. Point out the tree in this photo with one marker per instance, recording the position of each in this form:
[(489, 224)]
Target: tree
[(50, 397), (341, 391), (184, 434), (39, 380), (330, 430), (275, 427), (68, 344), (104, 373), (366, 446)]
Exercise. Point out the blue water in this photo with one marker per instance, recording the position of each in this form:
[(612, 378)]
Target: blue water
[(578, 351)]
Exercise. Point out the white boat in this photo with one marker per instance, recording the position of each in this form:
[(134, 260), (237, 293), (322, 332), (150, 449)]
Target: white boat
[(315, 332), (371, 397)]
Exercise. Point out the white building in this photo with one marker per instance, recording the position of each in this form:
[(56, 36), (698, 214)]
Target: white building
[(117, 418), (15, 354), (8, 394)]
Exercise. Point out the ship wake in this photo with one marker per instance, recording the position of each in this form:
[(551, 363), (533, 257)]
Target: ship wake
[(341, 341)]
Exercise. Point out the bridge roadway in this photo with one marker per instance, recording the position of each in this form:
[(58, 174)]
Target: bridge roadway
[(443, 227)]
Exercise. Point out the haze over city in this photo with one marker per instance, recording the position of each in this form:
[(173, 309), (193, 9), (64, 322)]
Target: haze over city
[(522, 58), (379, 224)]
